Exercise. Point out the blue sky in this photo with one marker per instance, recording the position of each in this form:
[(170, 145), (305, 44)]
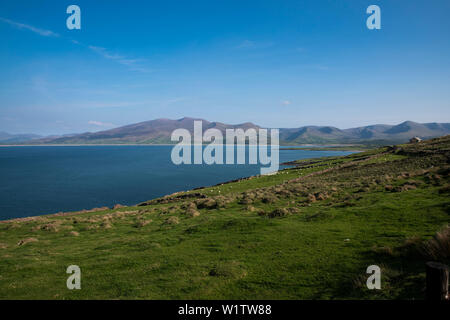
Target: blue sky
[(275, 63)]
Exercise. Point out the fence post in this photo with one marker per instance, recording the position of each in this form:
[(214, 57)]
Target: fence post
[(437, 281)]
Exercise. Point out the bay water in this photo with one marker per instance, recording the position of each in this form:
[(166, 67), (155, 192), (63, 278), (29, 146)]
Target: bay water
[(36, 180)]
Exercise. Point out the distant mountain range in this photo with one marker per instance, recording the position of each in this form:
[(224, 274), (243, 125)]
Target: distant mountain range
[(159, 131), (6, 138), (374, 134)]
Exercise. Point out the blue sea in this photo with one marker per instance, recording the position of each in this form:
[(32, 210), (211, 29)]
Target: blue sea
[(48, 179)]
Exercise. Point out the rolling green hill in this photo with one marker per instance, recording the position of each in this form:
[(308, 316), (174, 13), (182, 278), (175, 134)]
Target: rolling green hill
[(307, 232)]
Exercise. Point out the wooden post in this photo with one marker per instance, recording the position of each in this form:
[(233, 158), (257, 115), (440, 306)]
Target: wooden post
[(437, 281)]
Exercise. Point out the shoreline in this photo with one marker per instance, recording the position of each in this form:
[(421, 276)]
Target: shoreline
[(105, 208), (306, 147)]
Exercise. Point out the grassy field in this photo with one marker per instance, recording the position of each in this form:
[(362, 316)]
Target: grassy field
[(308, 232)]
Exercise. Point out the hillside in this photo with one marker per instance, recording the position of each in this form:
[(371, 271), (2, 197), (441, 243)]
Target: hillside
[(307, 232), (6, 138), (159, 131), (152, 132), (374, 134)]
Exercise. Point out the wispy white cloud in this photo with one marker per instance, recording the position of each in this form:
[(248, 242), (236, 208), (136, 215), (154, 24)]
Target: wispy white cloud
[(100, 123), (102, 51), (286, 102), (42, 32), (133, 64)]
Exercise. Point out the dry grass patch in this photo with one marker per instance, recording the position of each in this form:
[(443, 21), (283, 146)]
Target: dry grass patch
[(246, 201), (405, 187), (192, 213), (294, 210), (222, 201), (208, 203), (321, 196), (142, 223), (27, 240), (311, 198), (280, 212), (172, 220), (438, 247), (51, 227), (247, 198), (250, 208), (190, 205), (269, 198), (445, 189), (106, 225)]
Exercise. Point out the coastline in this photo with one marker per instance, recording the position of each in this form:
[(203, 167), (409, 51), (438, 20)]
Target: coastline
[(105, 208), (306, 147), (118, 205), (80, 145)]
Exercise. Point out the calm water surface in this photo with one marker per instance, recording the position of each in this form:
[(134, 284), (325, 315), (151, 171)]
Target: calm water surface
[(41, 180)]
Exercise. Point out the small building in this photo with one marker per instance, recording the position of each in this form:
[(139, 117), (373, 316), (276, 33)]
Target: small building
[(415, 140)]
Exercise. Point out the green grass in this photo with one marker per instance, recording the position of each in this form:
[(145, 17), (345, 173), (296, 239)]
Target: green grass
[(342, 215)]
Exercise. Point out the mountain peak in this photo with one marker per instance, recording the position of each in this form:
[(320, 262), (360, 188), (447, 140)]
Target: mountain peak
[(159, 131)]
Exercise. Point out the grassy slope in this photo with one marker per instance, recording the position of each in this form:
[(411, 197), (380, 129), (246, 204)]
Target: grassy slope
[(365, 208)]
